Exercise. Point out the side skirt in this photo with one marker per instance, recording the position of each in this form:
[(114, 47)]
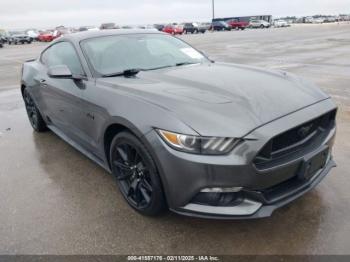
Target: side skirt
[(79, 148)]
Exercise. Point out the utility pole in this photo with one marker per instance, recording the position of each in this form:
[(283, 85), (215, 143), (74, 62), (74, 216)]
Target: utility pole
[(213, 7)]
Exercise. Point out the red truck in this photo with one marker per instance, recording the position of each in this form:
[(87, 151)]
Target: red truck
[(236, 24)]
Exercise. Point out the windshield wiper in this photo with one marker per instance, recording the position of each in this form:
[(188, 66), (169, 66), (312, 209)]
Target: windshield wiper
[(185, 63), (166, 66), (159, 67), (127, 73)]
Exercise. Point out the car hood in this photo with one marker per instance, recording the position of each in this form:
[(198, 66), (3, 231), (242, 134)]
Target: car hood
[(221, 99)]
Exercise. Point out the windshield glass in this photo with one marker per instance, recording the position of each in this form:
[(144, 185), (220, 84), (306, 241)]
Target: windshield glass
[(114, 54)]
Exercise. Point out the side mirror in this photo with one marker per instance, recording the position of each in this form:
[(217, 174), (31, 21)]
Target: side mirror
[(60, 71)]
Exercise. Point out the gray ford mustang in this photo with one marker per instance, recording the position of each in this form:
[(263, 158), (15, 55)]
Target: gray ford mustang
[(178, 130)]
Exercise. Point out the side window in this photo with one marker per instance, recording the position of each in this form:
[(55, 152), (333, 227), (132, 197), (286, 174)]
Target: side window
[(63, 53)]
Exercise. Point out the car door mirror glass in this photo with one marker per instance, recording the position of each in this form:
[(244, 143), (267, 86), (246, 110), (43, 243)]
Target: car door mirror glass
[(59, 71)]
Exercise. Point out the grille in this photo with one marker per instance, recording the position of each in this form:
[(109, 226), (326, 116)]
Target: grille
[(299, 138)]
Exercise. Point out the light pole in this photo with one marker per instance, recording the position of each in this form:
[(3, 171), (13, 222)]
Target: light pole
[(213, 7)]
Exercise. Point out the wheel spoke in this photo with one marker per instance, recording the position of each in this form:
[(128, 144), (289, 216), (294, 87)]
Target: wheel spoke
[(144, 193), (125, 170), (133, 185), (146, 185), (141, 167), (122, 154), (121, 165), (124, 176), (136, 157), (138, 197)]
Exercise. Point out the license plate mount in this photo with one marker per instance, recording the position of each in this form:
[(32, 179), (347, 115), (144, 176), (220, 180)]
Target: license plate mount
[(313, 163)]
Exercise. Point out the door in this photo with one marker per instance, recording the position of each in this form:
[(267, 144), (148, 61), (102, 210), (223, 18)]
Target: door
[(62, 97)]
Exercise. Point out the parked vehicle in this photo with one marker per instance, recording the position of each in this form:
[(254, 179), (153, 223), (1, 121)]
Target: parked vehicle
[(173, 29), (280, 23), (88, 28), (61, 31), (107, 26), (174, 130), (19, 39), (33, 34), (330, 19), (220, 26), (238, 25), (159, 27), (193, 28), (318, 20), (259, 24), (127, 27), (147, 27), (46, 36), (308, 19), (3, 40), (203, 27)]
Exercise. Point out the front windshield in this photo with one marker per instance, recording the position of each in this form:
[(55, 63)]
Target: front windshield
[(113, 54)]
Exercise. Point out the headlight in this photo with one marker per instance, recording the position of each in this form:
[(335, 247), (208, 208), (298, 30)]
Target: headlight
[(198, 144)]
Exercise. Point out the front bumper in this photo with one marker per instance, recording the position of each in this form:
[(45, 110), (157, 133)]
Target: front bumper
[(185, 175), (250, 209)]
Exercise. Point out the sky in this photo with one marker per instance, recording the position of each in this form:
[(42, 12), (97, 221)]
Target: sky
[(44, 14)]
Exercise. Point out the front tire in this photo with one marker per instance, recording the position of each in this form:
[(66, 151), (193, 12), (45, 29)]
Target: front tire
[(33, 113), (136, 174)]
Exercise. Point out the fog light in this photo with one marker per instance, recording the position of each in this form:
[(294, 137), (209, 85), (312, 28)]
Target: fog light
[(218, 198), (221, 190)]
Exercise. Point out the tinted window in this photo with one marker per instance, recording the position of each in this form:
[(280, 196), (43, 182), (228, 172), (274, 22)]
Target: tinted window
[(63, 54)]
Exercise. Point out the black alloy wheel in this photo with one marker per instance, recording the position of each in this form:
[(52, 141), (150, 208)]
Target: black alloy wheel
[(136, 174), (33, 113)]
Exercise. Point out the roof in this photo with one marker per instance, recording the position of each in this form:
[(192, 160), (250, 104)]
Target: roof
[(92, 34)]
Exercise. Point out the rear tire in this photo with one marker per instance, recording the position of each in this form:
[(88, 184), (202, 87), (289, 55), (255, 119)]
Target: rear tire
[(33, 113), (136, 174)]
